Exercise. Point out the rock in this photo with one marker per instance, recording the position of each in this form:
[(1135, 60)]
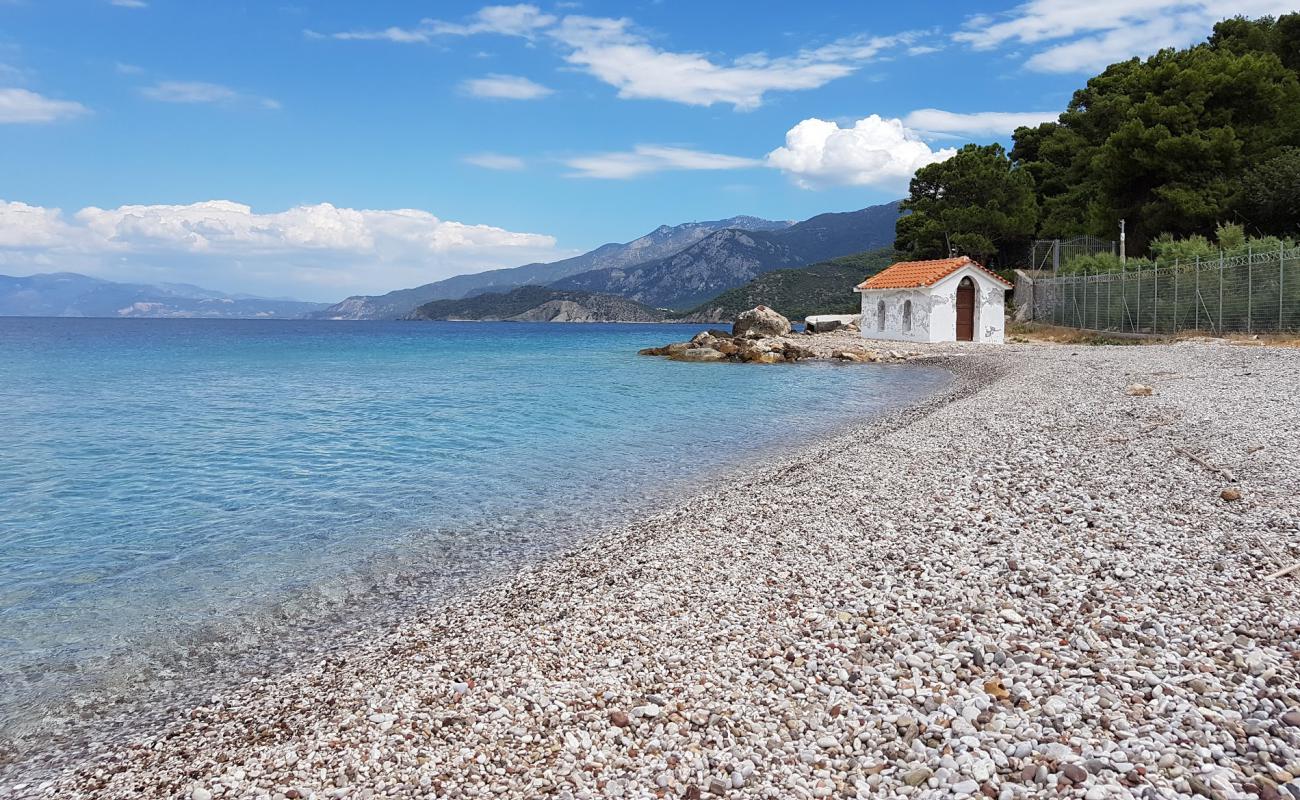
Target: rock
[(759, 322), (698, 354), (858, 356), (918, 776), (794, 353), (727, 347), (825, 323), (1074, 773), (1138, 390), (703, 340), (619, 719), (769, 358), (199, 793), (1291, 718), (717, 786), (653, 351), (1230, 494)]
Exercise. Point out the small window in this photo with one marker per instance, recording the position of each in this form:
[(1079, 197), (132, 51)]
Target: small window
[(907, 315), (880, 315)]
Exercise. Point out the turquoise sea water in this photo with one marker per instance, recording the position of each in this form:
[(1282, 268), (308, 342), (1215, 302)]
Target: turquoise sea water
[(159, 477)]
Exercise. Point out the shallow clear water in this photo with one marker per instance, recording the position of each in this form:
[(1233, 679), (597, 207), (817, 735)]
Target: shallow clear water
[(157, 476)]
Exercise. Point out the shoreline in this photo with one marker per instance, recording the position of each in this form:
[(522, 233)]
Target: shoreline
[(800, 630), (99, 721)]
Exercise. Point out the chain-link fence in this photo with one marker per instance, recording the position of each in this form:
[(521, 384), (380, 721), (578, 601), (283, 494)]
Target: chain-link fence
[(1252, 293), (1052, 254)]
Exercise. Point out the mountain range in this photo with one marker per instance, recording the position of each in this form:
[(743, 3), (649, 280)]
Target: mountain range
[(730, 258), (68, 294), (671, 267), (660, 242)]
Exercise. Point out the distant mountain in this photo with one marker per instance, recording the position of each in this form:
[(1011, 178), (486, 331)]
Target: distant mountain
[(822, 288), (67, 294), (660, 242), (730, 258), (539, 304)]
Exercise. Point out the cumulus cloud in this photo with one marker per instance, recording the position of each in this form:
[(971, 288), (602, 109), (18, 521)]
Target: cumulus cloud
[(22, 106), (202, 92), (980, 123), (1088, 35), (613, 51), (873, 152), (644, 159), (495, 161), (317, 251), (505, 87)]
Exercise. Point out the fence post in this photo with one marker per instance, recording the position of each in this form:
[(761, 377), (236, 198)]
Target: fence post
[(1174, 326), (1137, 304), (1110, 309), (1281, 278), (1220, 291), (1196, 306), (1250, 287), (1155, 299)]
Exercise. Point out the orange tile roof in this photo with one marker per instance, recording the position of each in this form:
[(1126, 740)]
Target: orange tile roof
[(915, 274)]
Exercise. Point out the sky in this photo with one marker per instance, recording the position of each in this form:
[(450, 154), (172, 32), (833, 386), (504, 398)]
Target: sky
[(322, 148)]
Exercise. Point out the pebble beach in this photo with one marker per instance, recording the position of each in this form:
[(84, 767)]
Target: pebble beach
[(1035, 583)]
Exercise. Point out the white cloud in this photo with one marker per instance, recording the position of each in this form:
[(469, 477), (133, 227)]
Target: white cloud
[(128, 69), (874, 152), (613, 52), (200, 92), (645, 159), (23, 106), (495, 161), (129, 3), (610, 51), (505, 87), (518, 20), (1088, 35), (318, 251), (980, 123)]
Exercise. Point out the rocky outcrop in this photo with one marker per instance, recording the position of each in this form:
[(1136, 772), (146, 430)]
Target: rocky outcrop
[(717, 345), (759, 322)]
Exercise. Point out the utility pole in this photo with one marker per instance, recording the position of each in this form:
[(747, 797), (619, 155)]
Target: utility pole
[(1122, 258)]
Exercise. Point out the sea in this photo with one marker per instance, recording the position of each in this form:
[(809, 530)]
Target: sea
[(176, 494)]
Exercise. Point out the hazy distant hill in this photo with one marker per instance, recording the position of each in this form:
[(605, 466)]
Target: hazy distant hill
[(823, 288), (730, 258), (539, 304), (660, 242), (67, 294)]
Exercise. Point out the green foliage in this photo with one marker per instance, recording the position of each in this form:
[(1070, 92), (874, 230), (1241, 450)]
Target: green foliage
[(975, 203), (1168, 250), (1270, 193), (1178, 142), (516, 302), (822, 288), (1101, 262)]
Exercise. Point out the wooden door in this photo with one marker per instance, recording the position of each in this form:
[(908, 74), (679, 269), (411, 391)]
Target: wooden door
[(966, 310)]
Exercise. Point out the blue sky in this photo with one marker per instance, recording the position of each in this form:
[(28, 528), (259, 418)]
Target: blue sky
[(319, 148)]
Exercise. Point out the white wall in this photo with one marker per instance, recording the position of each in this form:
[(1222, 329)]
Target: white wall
[(934, 310), (895, 330)]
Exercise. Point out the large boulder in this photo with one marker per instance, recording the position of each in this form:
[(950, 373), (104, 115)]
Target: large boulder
[(760, 322)]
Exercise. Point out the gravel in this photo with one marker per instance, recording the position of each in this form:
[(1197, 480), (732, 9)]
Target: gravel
[(1022, 587)]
